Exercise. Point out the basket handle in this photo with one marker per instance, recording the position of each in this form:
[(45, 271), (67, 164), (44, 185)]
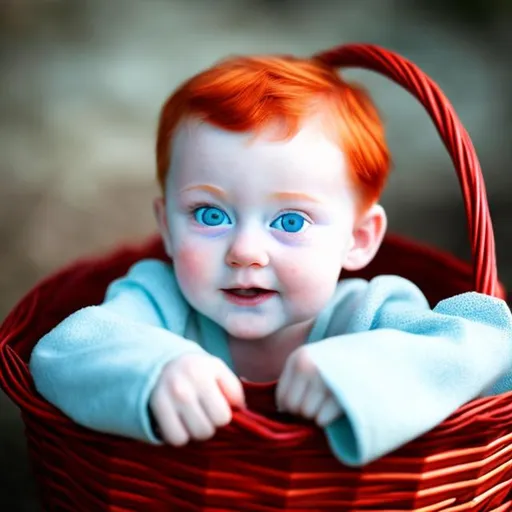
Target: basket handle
[(455, 138)]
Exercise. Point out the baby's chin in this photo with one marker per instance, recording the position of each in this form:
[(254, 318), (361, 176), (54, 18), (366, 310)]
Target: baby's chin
[(247, 332)]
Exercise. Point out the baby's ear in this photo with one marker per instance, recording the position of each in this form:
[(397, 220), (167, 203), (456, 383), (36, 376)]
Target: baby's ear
[(163, 226), (367, 237)]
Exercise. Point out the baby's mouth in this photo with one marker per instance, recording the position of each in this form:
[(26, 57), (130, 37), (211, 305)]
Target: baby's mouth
[(247, 292), (248, 296)]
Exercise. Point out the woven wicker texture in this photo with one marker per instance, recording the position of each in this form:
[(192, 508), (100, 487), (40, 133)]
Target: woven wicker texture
[(264, 461)]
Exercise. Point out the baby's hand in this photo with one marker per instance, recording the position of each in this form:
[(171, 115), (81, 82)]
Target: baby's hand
[(301, 390), (193, 397)]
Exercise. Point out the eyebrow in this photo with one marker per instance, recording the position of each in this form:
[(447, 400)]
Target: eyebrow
[(297, 196), (211, 189), (279, 196)]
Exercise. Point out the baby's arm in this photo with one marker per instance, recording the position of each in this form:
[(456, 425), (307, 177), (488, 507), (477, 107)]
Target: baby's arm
[(100, 365), (405, 368)]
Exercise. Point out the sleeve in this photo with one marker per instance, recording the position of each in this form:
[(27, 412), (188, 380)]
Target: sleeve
[(100, 365), (405, 368)]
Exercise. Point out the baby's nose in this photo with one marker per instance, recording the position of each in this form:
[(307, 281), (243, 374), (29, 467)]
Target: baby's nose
[(247, 250)]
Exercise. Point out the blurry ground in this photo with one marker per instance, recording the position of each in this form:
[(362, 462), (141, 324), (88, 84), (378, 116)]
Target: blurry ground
[(80, 88)]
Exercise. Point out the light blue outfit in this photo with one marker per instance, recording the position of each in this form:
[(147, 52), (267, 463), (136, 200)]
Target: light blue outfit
[(397, 367)]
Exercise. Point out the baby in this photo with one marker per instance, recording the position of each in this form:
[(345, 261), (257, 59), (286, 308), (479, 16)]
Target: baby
[(271, 170)]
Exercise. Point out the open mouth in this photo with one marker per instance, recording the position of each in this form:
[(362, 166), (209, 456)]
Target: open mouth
[(248, 296)]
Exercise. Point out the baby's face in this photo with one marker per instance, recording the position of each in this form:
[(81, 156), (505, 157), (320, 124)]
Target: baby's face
[(259, 229)]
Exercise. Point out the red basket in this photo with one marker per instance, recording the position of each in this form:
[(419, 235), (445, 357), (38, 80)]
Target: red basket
[(260, 462)]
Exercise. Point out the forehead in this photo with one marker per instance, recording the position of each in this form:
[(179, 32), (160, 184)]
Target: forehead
[(204, 152)]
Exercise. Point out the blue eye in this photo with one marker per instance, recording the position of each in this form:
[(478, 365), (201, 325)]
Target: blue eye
[(289, 222), (211, 216)]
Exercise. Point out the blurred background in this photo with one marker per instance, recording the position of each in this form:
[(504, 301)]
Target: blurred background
[(81, 84)]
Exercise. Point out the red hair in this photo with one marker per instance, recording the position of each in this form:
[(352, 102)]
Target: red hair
[(245, 94)]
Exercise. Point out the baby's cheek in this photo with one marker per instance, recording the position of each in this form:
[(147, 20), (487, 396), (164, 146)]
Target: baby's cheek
[(292, 274), (309, 282), (192, 268), (298, 280)]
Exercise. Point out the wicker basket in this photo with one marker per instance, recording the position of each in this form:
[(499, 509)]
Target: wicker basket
[(262, 461)]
